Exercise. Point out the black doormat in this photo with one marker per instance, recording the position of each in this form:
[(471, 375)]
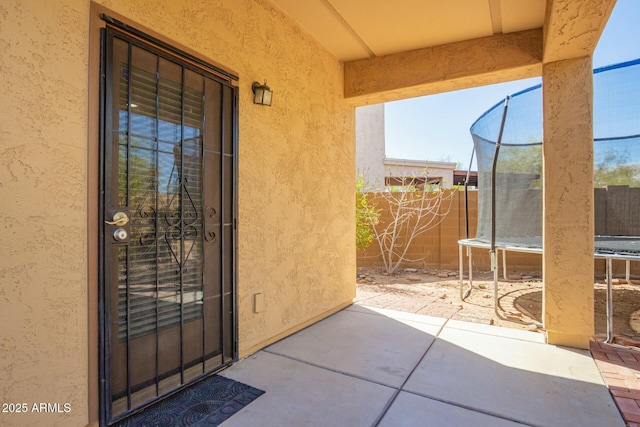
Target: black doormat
[(206, 403)]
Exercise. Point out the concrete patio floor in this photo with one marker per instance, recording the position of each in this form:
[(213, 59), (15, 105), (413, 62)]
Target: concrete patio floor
[(366, 366)]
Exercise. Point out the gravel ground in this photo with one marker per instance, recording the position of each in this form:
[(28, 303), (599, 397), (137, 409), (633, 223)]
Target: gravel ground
[(437, 293)]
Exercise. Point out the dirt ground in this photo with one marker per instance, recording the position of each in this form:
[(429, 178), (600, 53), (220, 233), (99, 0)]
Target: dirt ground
[(437, 293)]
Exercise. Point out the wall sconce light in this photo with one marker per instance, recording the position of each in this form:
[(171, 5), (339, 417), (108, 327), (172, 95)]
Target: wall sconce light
[(262, 94)]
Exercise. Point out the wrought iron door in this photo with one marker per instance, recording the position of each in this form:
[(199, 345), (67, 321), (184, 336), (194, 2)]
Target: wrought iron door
[(168, 236)]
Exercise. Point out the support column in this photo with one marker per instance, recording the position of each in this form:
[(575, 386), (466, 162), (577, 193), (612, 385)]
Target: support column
[(568, 226)]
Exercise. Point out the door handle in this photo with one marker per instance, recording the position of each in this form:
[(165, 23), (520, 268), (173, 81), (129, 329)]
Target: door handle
[(119, 219)]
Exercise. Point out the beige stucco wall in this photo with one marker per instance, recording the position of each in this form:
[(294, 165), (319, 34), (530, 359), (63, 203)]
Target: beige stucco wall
[(296, 189), (43, 267)]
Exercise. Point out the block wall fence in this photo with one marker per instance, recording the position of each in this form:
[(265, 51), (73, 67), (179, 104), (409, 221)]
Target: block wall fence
[(438, 247)]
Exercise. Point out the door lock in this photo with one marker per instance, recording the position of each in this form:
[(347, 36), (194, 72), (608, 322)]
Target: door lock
[(119, 219), (120, 234)]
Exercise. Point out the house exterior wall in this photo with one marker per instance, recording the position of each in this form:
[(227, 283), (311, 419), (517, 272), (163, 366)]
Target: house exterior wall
[(371, 160), (370, 144), (43, 209), (418, 168), (295, 189)]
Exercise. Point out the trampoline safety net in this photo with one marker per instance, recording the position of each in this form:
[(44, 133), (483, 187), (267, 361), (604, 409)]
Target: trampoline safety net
[(517, 154)]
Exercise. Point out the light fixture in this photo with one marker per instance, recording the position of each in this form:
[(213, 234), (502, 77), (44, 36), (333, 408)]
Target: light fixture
[(262, 94)]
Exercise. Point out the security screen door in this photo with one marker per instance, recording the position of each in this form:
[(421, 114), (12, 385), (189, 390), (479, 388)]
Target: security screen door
[(168, 234)]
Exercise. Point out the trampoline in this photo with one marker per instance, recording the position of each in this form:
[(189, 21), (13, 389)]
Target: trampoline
[(507, 142)]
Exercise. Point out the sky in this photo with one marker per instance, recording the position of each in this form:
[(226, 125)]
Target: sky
[(436, 127)]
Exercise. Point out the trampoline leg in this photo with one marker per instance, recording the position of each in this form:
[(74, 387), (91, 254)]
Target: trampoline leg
[(460, 266), (494, 267), (464, 293), (470, 258), (504, 265), (628, 271), (609, 303)]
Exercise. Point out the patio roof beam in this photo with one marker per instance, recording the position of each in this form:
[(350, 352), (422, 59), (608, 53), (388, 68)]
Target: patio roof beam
[(460, 65), (572, 28)]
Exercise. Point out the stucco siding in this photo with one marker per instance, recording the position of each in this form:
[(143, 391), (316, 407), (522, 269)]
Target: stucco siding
[(43, 262)]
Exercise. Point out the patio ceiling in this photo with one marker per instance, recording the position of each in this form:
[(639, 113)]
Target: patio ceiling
[(360, 29), (404, 48)]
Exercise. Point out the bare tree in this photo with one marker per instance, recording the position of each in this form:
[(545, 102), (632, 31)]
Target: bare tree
[(414, 209)]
